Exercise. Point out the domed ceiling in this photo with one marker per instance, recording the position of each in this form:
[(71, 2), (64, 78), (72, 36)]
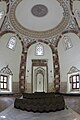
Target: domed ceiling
[(39, 18)]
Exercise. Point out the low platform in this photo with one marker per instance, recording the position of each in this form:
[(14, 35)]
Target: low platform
[(40, 102)]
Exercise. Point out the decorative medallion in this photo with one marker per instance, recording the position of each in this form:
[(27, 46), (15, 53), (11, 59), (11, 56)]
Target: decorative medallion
[(39, 10)]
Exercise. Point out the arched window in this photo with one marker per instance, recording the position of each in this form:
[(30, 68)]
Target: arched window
[(67, 42), (12, 43), (39, 49), (1, 14), (77, 14)]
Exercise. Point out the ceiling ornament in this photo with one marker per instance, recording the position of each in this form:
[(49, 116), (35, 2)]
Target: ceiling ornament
[(72, 25), (6, 26), (39, 34), (27, 40), (39, 10), (51, 40)]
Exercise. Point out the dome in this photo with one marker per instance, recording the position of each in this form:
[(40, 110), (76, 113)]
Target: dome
[(39, 18)]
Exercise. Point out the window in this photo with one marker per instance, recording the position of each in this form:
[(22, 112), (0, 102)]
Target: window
[(67, 42), (1, 14), (39, 49), (12, 43), (77, 14), (75, 81), (3, 82)]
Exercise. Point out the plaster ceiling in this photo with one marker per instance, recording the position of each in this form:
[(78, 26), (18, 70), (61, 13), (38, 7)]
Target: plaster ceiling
[(53, 17), (49, 18)]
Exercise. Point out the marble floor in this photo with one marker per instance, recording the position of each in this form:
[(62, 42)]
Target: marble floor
[(73, 102), (11, 113), (15, 114), (6, 102)]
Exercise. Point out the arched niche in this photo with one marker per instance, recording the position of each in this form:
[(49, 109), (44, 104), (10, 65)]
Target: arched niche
[(6, 77), (39, 83), (68, 57), (34, 61)]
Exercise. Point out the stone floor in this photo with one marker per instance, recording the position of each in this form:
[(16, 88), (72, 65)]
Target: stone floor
[(6, 102), (15, 114), (73, 102)]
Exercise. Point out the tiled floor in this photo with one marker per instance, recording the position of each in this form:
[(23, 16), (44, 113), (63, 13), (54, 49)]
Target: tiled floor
[(68, 114)]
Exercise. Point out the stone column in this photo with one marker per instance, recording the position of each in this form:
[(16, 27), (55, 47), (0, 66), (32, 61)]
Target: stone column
[(56, 66), (56, 70), (22, 75)]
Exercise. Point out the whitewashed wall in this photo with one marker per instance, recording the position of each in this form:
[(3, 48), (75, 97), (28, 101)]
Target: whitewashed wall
[(47, 55), (10, 57), (70, 57)]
